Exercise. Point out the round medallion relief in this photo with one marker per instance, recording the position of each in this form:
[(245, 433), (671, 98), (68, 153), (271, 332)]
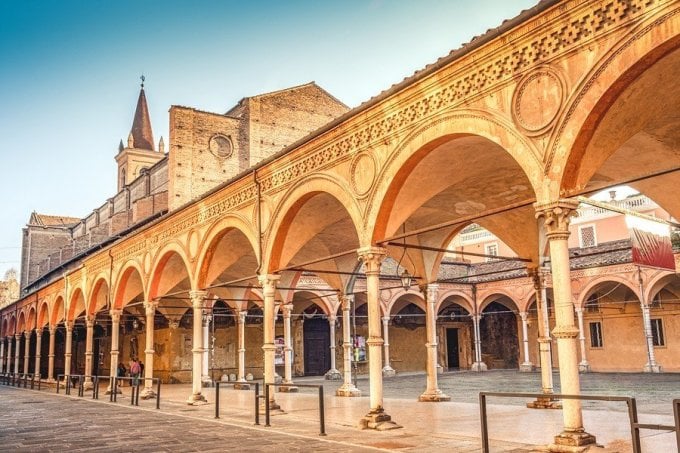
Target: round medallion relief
[(537, 100), (221, 146), (193, 244), (362, 173)]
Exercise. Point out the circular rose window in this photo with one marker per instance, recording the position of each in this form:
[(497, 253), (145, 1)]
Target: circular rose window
[(220, 146)]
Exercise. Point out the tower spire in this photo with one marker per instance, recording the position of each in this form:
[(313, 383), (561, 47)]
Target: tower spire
[(142, 134)]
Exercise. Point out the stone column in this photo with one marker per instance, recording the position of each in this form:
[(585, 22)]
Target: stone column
[(526, 365), (376, 418), (115, 334), (478, 365), (347, 388), (27, 350), (50, 354), (197, 302), (149, 351), (205, 367), (287, 309), (2, 355), (583, 365), (89, 352), (432, 392), (555, 217), (268, 283), (8, 367), (67, 348), (17, 353), (38, 351), (333, 374), (241, 384), (387, 369)]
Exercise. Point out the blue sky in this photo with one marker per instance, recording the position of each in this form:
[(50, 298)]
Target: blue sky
[(69, 75)]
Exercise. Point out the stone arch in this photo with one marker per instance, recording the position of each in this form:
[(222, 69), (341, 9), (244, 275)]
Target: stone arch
[(129, 283), (3, 331), (171, 257), (12, 325), (591, 285), (31, 319), (495, 296), (571, 162), (658, 283), (440, 129), (302, 303), (212, 238)]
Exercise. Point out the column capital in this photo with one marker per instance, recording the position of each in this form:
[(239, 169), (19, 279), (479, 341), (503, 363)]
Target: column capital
[(578, 310), (69, 325), (523, 315), (150, 307), (27, 334), (287, 309), (556, 217), (89, 322), (173, 323), (38, 332), (332, 318), (372, 258), (197, 298), (268, 283), (430, 290), (346, 301), (386, 319), (242, 316), (53, 330), (115, 315)]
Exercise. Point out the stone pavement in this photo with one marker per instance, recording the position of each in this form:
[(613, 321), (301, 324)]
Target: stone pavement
[(427, 426)]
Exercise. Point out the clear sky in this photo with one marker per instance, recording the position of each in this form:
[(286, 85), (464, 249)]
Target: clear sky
[(69, 75)]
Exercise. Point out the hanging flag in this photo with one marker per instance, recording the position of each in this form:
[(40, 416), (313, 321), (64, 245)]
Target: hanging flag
[(651, 243)]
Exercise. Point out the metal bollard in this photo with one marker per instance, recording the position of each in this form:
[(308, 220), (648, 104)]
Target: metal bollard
[(158, 394), (322, 420), (68, 385), (266, 404), (257, 403), (132, 394), (217, 399)]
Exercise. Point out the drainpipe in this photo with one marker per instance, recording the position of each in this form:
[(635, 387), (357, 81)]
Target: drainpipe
[(259, 221)]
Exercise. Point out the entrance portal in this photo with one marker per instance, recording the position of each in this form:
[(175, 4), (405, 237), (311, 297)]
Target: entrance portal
[(452, 349), (317, 343)]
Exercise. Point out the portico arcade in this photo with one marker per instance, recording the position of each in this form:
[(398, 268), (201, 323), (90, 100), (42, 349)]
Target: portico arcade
[(461, 141)]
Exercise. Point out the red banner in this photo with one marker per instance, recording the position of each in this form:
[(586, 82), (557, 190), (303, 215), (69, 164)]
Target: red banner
[(651, 243)]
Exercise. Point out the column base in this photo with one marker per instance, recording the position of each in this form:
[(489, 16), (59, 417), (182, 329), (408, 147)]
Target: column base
[(241, 386), (388, 371), (348, 390), (527, 367), (478, 366), (440, 369), (206, 381), (287, 388), (545, 402), (197, 400), (273, 406), (333, 375), (88, 385), (378, 420), (433, 396), (147, 394), (573, 439), (584, 367), (652, 368), (110, 391)]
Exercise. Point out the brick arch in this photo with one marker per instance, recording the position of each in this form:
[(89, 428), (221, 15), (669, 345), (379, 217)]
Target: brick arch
[(212, 237), (436, 131), (417, 296), (129, 269), (494, 296), (43, 314), (77, 294), (321, 302), (101, 283), (31, 319), (294, 200), (21, 323), (57, 311), (657, 283), (591, 285), (160, 262), (467, 304), (643, 46)]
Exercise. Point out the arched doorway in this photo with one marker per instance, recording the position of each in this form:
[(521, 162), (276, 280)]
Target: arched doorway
[(498, 331), (317, 342)]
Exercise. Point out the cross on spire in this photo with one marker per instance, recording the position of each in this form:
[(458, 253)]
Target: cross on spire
[(142, 78)]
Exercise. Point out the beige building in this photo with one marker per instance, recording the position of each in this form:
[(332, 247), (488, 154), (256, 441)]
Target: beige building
[(274, 238)]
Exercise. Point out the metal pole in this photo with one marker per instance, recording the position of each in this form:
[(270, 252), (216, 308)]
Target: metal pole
[(158, 394), (634, 429), (257, 403), (58, 382), (132, 394), (115, 390), (266, 404), (137, 393), (321, 412), (676, 413), (482, 416), (217, 399)]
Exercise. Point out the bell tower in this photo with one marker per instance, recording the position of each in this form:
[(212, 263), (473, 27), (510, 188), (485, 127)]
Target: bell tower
[(139, 152)]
